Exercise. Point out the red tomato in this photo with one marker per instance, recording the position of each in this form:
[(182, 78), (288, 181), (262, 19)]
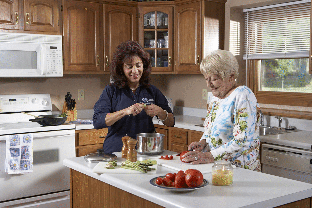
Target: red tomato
[(171, 157), (167, 182), (181, 155), (159, 181), (166, 157), (193, 178), (170, 176), (161, 157), (179, 181)]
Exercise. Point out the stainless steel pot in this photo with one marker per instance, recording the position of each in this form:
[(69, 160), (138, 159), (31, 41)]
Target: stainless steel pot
[(150, 143)]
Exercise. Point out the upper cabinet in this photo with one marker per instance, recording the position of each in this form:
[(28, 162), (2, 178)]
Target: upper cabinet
[(199, 29), (9, 14), (42, 15), (120, 25), (188, 37), (82, 40), (39, 16), (156, 35)]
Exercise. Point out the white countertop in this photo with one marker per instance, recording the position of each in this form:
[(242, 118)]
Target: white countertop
[(249, 189)]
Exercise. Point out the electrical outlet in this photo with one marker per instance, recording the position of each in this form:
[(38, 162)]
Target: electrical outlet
[(204, 94), (81, 94)]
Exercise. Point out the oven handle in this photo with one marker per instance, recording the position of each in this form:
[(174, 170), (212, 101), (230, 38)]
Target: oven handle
[(43, 134), (286, 149)]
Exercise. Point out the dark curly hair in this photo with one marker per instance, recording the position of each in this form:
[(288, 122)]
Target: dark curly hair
[(123, 52)]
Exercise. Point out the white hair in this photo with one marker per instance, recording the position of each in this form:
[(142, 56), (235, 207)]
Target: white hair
[(220, 62)]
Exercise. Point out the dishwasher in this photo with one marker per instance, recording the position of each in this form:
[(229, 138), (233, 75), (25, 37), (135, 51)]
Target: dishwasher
[(288, 162)]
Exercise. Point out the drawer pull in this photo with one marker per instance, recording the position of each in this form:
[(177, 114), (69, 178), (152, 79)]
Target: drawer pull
[(102, 136)]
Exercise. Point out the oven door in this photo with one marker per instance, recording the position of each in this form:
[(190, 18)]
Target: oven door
[(49, 174)]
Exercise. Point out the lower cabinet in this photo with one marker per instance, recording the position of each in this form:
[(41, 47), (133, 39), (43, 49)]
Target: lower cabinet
[(177, 139), (88, 141)]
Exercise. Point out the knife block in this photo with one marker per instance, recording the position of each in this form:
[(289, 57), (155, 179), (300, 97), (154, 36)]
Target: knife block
[(71, 114)]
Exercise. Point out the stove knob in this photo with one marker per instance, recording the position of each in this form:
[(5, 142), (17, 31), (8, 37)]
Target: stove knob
[(44, 102), (34, 100)]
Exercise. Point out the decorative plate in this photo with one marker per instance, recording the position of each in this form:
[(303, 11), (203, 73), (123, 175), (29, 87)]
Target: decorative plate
[(153, 182)]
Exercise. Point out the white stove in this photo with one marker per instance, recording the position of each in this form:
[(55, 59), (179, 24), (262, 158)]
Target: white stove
[(49, 183)]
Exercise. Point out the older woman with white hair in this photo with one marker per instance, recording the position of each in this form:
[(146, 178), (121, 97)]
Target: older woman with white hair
[(232, 121)]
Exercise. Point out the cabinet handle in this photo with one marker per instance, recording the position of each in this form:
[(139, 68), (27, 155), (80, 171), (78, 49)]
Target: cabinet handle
[(197, 59), (16, 18), (106, 60), (97, 60), (27, 18), (169, 61)]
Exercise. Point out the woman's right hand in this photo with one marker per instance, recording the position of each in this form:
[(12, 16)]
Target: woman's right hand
[(197, 146), (134, 109)]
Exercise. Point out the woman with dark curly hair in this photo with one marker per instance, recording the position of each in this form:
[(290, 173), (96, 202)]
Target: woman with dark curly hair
[(129, 103)]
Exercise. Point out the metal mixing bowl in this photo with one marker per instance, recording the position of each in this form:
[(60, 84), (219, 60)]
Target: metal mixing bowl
[(150, 143)]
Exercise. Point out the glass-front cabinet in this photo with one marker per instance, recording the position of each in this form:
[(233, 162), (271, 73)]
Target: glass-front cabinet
[(155, 34)]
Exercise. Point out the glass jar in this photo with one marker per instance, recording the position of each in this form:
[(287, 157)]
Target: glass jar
[(222, 173)]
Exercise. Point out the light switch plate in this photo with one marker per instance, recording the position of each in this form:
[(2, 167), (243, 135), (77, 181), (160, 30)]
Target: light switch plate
[(81, 94)]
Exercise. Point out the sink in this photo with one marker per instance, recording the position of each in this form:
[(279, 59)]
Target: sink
[(268, 130), (200, 125)]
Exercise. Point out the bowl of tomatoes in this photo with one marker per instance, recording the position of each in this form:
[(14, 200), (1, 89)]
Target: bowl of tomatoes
[(188, 180)]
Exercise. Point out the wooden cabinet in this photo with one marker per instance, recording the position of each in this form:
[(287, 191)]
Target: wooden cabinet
[(42, 15), (82, 40), (163, 130), (35, 16), (199, 29), (10, 12), (90, 140), (156, 34), (179, 139), (120, 23)]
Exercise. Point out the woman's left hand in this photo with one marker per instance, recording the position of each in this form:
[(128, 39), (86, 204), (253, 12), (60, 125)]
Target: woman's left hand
[(153, 110), (196, 157)]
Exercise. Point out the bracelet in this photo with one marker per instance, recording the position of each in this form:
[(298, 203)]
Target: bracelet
[(166, 116)]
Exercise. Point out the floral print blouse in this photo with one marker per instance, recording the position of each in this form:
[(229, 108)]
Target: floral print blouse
[(232, 128)]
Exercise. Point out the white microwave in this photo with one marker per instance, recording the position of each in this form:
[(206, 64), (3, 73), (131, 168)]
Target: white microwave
[(30, 55)]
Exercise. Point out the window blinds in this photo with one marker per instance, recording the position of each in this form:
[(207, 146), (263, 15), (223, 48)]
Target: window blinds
[(278, 31)]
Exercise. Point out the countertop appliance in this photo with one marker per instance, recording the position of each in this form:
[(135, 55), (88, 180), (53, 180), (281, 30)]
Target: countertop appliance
[(30, 55), (49, 183), (288, 155)]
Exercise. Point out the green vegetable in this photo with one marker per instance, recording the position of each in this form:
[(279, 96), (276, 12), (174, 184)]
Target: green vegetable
[(111, 164), (63, 115), (139, 166)]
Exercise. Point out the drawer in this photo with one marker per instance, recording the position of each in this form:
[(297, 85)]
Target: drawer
[(92, 136), (178, 148), (178, 136), (84, 150)]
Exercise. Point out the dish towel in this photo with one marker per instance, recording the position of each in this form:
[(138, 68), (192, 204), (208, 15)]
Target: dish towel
[(19, 154)]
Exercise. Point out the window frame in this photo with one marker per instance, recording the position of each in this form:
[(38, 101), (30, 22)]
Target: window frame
[(277, 98)]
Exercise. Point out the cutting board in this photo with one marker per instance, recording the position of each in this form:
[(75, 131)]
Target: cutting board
[(177, 164), (101, 168)]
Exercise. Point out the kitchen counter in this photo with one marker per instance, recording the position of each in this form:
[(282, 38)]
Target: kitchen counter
[(249, 189)]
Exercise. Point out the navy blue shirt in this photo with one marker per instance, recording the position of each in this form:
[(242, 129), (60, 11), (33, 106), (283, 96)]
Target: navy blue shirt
[(115, 99)]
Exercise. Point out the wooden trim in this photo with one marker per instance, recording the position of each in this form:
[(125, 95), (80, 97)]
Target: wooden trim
[(287, 113)]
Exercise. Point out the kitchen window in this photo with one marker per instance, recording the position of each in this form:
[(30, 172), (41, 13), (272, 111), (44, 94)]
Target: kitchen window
[(277, 44)]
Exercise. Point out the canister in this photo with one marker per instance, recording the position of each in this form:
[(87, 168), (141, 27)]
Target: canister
[(222, 173)]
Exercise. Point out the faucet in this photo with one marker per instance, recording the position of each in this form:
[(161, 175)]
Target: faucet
[(261, 119), (279, 121)]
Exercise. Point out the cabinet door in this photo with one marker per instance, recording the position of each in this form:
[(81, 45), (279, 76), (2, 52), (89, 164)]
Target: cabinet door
[(9, 14), (82, 37), (188, 38), (155, 34), (194, 136), (42, 15), (120, 23)]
